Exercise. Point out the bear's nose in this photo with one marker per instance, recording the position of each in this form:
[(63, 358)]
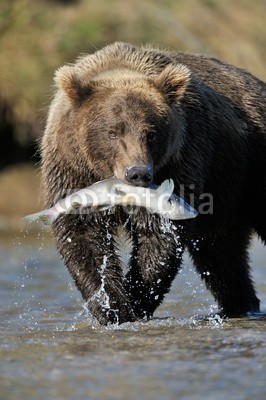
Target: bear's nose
[(139, 175)]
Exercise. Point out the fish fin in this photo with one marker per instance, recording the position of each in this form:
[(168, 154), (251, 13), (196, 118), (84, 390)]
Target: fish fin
[(103, 207), (46, 218), (119, 200), (167, 187), (119, 196), (119, 192)]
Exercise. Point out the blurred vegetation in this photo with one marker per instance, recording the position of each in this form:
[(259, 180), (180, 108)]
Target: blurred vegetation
[(36, 37), (19, 196)]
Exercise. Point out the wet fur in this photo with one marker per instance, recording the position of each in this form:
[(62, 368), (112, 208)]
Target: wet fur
[(209, 121)]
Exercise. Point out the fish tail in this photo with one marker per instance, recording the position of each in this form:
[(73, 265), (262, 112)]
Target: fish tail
[(43, 216), (166, 188)]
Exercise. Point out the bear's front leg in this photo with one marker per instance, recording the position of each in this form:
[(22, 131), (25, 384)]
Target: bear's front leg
[(156, 259), (86, 244)]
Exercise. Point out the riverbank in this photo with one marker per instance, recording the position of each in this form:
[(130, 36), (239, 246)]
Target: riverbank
[(20, 195)]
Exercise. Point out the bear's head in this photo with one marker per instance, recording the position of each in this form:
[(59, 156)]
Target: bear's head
[(121, 122)]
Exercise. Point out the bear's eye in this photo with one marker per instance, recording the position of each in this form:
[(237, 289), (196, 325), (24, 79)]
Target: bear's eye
[(151, 136), (112, 134)]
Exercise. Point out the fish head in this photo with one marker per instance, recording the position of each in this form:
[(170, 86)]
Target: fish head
[(176, 208)]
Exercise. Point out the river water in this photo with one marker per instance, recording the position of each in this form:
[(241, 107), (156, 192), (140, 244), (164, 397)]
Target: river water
[(51, 348)]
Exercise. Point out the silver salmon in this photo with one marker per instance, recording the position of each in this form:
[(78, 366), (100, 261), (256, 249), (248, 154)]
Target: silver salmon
[(108, 193)]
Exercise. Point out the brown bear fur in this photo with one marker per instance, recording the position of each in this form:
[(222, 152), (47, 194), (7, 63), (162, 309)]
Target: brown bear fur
[(196, 120)]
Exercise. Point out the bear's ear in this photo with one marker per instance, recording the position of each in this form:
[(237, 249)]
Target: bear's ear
[(67, 80), (172, 81)]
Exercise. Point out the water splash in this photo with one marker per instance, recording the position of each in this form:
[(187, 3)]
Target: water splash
[(101, 296)]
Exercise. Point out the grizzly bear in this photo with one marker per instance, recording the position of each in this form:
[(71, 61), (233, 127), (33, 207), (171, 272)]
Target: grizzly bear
[(143, 115)]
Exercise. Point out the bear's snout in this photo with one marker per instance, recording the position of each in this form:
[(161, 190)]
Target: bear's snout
[(139, 175)]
